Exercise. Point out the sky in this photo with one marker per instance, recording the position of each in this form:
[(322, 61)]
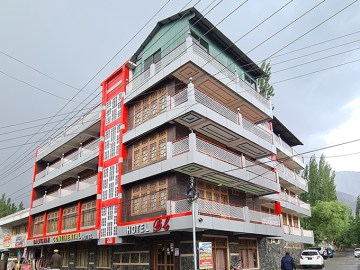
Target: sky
[(73, 42)]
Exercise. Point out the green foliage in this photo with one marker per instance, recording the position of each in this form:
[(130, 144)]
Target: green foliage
[(266, 89), (8, 208), (358, 206), (330, 221)]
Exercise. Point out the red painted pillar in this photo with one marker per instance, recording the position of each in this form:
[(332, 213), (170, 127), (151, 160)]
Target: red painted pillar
[(78, 220), (277, 208), (45, 223), (60, 219), (32, 196)]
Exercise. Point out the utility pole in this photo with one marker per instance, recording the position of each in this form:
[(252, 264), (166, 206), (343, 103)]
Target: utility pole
[(192, 194)]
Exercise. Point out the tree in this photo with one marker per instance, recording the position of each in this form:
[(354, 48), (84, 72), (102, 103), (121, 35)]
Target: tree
[(266, 89), (330, 221), (8, 208), (357, 214)]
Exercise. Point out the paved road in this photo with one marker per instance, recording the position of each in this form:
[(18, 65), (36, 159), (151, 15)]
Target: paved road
[(342, 261)]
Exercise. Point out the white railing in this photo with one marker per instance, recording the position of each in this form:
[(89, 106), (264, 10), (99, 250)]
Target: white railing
[(38, 201), (91, 116), (286, 229), (218, 152), (265, 125), (307, 233), (281, 167), (216, 106), (88, 182), (180, 146), (297, 156), (171, 56), (295, 201), (179, 98), (180, 206), (90, 147), (65, 191), (293, 154), (295, 231), (289, 172), (260, 170), (259, 131), (286, 147), (51, 196), (257, 216), (214, 208), (300, 180)]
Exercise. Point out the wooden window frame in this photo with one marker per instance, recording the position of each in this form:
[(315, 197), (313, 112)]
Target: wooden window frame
[(38, 225), (53, 218), (82, 250), (64, 252), (145, 192), (143, 109), (100, 255), (252, 200), (71, 215), (206, 188), (88, 209), (159, 139), (247, 248)]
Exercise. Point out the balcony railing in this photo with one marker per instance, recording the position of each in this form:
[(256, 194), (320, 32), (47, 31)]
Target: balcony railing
[(295, 155), (65, 191), (208, 148), (90, 116), (82, 151), (257, 216), (215, 105), (296, 201), (289, 230), (224, 210), (281, 167)]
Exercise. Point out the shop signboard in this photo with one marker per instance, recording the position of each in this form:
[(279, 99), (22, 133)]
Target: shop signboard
[(205, 255), (7, 240), (20, 240), (26, 267), (63, 238), (160, 224)]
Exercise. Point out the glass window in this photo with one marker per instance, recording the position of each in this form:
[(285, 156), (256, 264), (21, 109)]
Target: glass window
[(104, 257), (248, 253), (53, 221), (64, 252), (88, 212), (212, 191), (152, 59), (69, 218), (82, 255), (200, 41), (38, 225), (250, 81), (149, 197)]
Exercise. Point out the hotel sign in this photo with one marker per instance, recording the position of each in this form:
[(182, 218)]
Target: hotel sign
[(160, 224), (67, 237), (71, 237)]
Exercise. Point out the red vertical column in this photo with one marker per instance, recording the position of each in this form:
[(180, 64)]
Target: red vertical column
[(32, 195), (60, 219), (277, 208), (78, 220), (45, 223)]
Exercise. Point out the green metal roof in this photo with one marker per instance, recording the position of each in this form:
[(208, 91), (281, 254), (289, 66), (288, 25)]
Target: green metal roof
[(215, 34)]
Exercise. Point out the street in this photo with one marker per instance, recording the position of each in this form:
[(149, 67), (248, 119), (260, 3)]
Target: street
[(342, 261)]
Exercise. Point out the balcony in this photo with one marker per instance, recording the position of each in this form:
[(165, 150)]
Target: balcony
[(190, 60), (288, 155), (295, 205), (69, 137), (291, 180), (227, 217), (201, 112), (199, 158), (293, 234), (68, 163), (79, 190)]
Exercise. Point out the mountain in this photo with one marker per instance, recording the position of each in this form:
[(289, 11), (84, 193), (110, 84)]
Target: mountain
[(348, 182), (347, 198)]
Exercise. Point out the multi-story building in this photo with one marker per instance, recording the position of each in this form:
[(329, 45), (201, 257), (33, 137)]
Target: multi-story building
[(108, 191)]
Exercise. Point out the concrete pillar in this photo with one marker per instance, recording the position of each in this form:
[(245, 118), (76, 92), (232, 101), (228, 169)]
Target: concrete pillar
[(60, 219), (78, 220), (169, 150), (191, 91), (45, 224), (192, 142)]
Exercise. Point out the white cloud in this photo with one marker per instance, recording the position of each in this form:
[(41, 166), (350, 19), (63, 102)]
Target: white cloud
[(346, 132)]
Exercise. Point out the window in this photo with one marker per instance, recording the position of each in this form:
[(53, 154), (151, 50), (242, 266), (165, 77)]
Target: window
[(248, 253), (250, 81), (69, 218), (108, 221), (149, 197), (152, 59), (104, 257), (296, 222), (151, 148), (151, 106), (82, 255), (285, 221), (52, 222), (20, 229), (200, 41), (38, 225), (113, 109), (211, 191), (88, 212), (110, 182), (112, 142), (64, 252), (250, 201)]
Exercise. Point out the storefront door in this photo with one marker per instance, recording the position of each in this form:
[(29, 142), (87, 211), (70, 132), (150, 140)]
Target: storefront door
[(164, 255), (219, 249)]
